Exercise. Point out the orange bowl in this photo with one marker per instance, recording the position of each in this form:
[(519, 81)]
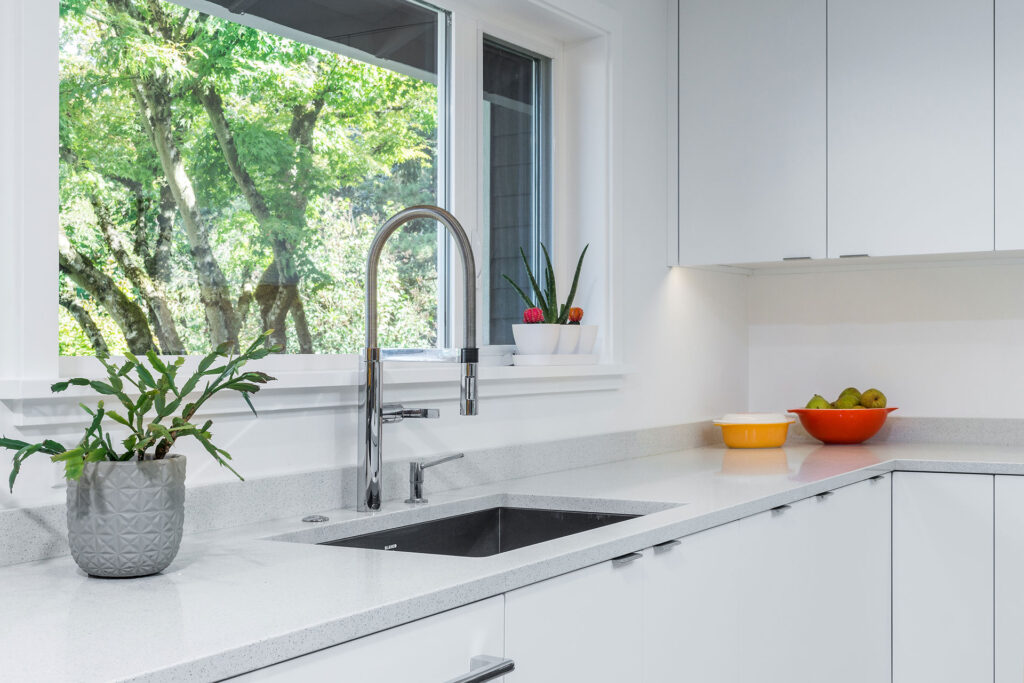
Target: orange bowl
[(832, 425)]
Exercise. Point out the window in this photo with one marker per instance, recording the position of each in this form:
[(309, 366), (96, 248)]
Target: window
[(218, 180), (517, 207)]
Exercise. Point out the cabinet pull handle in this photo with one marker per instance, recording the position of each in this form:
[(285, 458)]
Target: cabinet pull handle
[(779, 509), (485, 668), (877, 477), (625, 559), (853, 256), (667, 545), (825, 494), (796, 258)]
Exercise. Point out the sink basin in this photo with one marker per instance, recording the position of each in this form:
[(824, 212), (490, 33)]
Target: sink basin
[(483, 532)]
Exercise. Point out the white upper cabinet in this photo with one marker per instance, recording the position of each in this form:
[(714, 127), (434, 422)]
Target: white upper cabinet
[(751, 130), (1010, 124), (910, 127)]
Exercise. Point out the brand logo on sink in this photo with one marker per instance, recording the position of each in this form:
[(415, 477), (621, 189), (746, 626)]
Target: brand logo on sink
[(391, 547)]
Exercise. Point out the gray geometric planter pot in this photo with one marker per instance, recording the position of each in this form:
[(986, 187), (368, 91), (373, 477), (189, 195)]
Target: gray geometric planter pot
[(125, 518)]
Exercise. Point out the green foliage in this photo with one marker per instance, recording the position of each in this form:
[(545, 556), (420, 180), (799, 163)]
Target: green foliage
[(156, 407), (371, 151), (545, 297)]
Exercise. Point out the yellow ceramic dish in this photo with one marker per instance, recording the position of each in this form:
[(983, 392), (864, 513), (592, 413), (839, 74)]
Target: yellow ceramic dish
[(754, 430)]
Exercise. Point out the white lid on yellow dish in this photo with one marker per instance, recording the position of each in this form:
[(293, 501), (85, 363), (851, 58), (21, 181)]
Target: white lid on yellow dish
[(754, 419)]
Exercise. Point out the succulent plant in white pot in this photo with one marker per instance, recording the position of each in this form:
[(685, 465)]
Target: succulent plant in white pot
[(126, 502), (543, 308)]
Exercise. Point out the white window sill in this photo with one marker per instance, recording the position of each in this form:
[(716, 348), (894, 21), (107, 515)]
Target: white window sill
[(330, 386)]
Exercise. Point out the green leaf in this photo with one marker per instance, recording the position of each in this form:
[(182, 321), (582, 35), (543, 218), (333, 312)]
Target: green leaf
[(248, 402), (59, 387), (155, 361), (549, 276), (66, 455), (102, 388), (564, 313), (206, 362), (96, 455), (520, 292), (145, 378), (73, 467), (159, 430), (116, 417), (19, 458), (13, 444), (538, 292)]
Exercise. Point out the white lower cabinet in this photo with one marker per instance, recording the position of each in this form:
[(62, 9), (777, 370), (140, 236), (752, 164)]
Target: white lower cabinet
[(942, 578), (905, 578), (584, 626), (849, 571), (799, 593), (1009, 579), (432, 650), (777, 610), (691, 608)]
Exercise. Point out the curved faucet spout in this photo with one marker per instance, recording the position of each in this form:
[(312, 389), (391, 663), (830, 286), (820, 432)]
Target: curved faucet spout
[(371, 403), (468, 267)]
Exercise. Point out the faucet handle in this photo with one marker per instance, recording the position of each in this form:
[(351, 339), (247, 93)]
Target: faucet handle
[(395, 412)]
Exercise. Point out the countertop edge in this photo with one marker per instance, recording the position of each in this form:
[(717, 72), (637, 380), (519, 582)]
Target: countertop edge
[(351, 627)]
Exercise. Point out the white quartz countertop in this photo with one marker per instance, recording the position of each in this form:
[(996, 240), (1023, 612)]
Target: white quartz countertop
[(234, 601)]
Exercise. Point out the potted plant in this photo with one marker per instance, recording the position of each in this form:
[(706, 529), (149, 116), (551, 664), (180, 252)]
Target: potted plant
[(588, 333), (530, 338), (126, 502)]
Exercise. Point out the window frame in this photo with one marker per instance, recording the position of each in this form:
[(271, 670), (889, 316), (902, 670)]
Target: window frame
[(543, 162), (28, 176)]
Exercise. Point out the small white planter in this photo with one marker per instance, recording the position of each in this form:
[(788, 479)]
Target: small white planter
[(568, 338), (588, 337), (536, 339)]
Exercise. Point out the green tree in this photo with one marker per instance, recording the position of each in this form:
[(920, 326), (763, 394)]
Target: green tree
[(219, 181)]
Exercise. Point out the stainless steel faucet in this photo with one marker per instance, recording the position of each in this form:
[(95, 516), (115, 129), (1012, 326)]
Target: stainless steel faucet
[(372, 411), (416, 468)]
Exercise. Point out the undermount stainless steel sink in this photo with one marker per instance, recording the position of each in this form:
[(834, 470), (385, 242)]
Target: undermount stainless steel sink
[(483, 532)]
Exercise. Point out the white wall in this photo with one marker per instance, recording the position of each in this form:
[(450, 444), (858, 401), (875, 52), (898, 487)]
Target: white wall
[(683, 333), (940, 340)]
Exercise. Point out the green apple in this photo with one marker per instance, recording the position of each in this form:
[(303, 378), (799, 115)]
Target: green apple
[(817, 403), (873, 398)]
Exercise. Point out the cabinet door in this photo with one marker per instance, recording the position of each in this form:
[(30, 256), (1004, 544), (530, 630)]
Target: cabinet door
[(691, 609), (814, 589), (942, 586), (779, 614), (848, 578), (1009, 591), (1009, 131), (582, 626), (910, 127), (432, 650), (751, 105)]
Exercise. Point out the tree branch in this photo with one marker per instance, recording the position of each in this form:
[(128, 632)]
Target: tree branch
[(162, 317), (85, 321), (125, 312)]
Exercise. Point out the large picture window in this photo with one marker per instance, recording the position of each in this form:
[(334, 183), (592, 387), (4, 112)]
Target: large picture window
[(217, 180)]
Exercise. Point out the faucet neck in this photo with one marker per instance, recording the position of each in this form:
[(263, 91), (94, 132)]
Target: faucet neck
[(463, 246)]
